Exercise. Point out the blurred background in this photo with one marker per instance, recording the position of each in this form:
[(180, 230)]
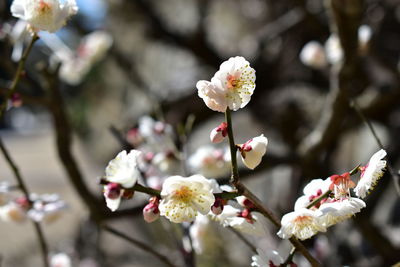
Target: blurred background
[(150, 56)]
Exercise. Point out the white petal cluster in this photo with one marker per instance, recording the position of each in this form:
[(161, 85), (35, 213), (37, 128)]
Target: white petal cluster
[(253, 151), (371, 174), (182, 198), (302, 223), (44, 15), (210, 162), (123, 169), (266, 259), (230, 217), (338, 211), (231, 87)]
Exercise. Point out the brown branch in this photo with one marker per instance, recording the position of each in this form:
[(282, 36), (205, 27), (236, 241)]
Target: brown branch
[(24, 189), (347, 79), (139, 244), (18, 73)]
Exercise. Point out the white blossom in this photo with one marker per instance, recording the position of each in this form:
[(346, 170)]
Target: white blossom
[(44, 15), (253, 150), (210, 162), (182, 198), (123, 169), (339, 210), (313, 55), (371, 173), (266, 259), (302, 223), (94, 46), (232, 85)]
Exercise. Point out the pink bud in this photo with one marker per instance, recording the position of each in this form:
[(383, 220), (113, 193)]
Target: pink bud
[(112, 191), (218, 134), (133, 137), (218, 206), (151, 212)]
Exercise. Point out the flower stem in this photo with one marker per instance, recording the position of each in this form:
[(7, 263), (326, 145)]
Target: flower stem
[(319, 199), (24, 189), (253, 198), (233, 149), (17, 75)]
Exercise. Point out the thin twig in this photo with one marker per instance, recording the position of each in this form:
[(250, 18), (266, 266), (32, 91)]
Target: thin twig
[(140, 245), (253, 198), (17, 75), (24, 189), (395, 176), (241, 237)]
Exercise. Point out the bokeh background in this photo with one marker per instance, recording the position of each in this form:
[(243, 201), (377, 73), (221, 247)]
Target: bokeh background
[(160, 50)]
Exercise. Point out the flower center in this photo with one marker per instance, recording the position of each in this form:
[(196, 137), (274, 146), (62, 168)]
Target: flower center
[(44, 7), (302, 220), (232, 82), (184, 194)]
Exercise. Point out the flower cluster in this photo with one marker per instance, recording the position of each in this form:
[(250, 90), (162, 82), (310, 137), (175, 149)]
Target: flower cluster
[(39, 208), (328, 202), (317, 56)]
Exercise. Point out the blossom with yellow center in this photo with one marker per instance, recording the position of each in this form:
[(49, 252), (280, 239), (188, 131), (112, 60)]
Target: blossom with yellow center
[(44, 15), (182, 198), (302, 223), (231, 87)]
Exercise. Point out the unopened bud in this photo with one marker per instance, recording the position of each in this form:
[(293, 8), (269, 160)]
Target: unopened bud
[(151, 212), (218, 206), (112, 191), (218, 134)]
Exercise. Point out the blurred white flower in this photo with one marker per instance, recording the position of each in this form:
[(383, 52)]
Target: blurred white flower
[(198, 233), (183, 198), (13, 212), (44, 15), (232, 85), (313, 55), (74, 70), (302, 223), (333, 49), (46, 208), (371, 173), (253, 150), (94, 46), (210, 161), (364, 36), (339, 210), (60, 260), (266, 259), (167, 162)]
